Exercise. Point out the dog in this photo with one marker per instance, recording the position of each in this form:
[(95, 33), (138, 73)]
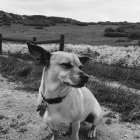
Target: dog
[(63, 97)]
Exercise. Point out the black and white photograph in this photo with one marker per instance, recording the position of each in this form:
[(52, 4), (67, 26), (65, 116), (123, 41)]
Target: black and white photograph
[(69, 70)]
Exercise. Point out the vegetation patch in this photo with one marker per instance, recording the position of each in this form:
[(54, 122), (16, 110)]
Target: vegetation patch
[(115, 34), (118, 100), (116, 72), (21, 71), (132, 31)]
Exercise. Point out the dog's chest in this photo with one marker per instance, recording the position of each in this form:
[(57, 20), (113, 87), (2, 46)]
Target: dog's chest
[(59, 117), (57, 122)]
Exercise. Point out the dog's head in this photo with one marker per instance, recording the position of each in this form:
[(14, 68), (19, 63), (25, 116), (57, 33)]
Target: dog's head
[(62, 67)]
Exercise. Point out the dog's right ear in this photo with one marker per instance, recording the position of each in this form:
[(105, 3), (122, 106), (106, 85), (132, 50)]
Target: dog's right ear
[(40, 55)]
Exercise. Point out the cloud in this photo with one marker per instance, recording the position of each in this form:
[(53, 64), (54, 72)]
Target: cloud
[(84, 10)]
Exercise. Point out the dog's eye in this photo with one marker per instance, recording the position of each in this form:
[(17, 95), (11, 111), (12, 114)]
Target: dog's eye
[(66, 65)]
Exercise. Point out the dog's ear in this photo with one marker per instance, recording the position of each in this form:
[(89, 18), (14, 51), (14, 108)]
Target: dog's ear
[(40, 55), (84, 59)]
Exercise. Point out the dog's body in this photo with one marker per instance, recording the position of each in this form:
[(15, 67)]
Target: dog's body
[(63, 78)]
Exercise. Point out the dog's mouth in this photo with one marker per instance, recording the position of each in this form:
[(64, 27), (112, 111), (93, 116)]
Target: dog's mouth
[(79, 85), (66, 83)]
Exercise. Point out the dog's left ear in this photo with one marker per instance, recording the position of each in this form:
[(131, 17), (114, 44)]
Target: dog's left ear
[(40, 55), (84, 59)]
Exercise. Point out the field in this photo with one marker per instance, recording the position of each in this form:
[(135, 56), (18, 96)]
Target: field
[(74, 34), (115, 81)]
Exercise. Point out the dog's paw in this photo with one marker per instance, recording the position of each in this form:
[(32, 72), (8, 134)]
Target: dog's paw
[(92, 134)]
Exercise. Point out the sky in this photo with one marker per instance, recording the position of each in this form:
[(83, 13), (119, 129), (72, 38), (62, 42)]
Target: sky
[(83, 10)]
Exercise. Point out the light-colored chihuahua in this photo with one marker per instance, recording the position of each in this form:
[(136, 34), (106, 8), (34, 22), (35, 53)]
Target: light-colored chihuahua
[(67, 102)]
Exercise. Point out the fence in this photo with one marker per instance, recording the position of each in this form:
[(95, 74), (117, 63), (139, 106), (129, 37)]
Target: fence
[(61, 41)]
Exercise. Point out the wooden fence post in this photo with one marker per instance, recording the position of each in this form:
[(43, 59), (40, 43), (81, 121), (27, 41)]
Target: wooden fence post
[(0, 44), (62, 38), (34, 40)]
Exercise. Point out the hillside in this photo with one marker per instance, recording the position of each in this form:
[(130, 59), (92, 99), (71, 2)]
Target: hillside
[(45, 28), (10, 18), (35, 20)]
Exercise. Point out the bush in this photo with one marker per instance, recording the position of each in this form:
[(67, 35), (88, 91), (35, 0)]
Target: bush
[(109, 30), (115, 34), (120, 29), (134, 34)]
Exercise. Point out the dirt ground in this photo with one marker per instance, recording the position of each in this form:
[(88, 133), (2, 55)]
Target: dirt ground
[(20, 121)]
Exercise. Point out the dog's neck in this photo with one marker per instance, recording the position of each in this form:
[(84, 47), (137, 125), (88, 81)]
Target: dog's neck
[(51, 88)]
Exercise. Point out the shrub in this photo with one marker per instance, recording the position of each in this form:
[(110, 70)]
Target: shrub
[(115, 34), (134, 34), (120, 29), (109, 30)]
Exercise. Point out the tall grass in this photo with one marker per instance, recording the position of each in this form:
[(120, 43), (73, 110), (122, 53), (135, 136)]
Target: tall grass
[(118, 100), (21, 71), (115, 72)]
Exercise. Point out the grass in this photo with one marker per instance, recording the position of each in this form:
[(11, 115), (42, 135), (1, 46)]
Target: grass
[(21, 71), (118, 100), (73, 34), (129, 76), (126, 103)]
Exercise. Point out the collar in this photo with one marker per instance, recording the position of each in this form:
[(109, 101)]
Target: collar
[(53, 100)]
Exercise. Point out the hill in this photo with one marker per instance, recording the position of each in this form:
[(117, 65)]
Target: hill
[(36, 20), (10, 18)]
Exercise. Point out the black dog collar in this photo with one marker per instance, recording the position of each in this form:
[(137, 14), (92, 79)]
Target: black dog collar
[(53, 100)]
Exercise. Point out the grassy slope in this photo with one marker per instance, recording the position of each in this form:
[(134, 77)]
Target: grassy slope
[(74, 34)]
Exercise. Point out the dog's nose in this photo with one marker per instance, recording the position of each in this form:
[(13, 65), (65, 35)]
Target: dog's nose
[(84, 76)]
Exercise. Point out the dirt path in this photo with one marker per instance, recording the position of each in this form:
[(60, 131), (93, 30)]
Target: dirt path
[(19, 120)]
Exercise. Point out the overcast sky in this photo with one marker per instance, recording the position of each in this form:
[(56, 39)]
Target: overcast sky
[(83, 10)]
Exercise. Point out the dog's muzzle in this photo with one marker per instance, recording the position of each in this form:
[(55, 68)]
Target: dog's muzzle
[(83, 80)]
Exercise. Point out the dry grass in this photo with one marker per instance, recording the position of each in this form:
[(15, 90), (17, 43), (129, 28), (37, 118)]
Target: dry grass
[(110, 55)]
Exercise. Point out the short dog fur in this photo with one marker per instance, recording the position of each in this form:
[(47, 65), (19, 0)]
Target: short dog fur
[(63, 79)]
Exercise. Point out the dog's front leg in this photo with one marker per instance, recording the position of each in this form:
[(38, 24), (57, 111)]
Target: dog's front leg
[(54, 137), (75, 130), (39, 99)]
